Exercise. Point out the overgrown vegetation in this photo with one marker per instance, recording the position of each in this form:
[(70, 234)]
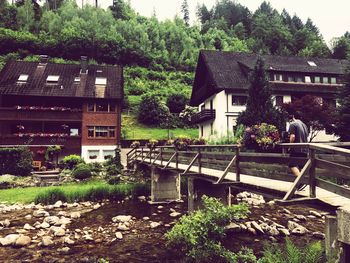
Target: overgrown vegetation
[(199, 233), (16, 161)]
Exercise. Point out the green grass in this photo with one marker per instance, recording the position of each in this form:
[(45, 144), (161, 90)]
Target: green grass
[(73, 192), (137, 131)]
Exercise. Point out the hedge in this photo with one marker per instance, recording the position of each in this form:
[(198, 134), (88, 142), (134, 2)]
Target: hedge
[(16, 161)]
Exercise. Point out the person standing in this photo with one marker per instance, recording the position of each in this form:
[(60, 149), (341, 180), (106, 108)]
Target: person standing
[(298, 133)]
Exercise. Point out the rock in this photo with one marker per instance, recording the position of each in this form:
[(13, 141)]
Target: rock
[(5, 223), (314, 213), (58, 204), (28, 217), (299, 231), (97, 206), (46, 241), (145, 218), (175, 214), (172, 210), (292, 225), (123, 227), (64, 250), (243, 226), (318, 235), (75, 215), (9, 239), (44, 225), (252, 230), (23, 241), (167, 225), (52, 220), (28, 227), (271, 203), (300, 217), (62, 213), (285, 210), (121, 218), (160, 207), (233, 227), (273, 231), (88, 238), (311, 216), (284, 232), (59, 232), (64, 221), (68, 241), (142, 198), (119, 235), (40, 213), (272, 239), (154, 224), (100, 229), (257, 227)]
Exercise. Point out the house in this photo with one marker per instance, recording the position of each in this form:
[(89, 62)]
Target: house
[(221, 84), (75, 106)]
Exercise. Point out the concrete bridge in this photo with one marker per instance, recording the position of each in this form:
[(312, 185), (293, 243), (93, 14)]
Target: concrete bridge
[(213, 170)]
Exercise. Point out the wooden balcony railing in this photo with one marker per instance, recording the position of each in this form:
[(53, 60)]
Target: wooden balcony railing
[(10, 114), (203, 115), (68, 142)]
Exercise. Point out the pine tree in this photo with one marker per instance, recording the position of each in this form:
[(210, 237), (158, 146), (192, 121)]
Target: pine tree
[(185, 12), (343, 110), (259, 104)]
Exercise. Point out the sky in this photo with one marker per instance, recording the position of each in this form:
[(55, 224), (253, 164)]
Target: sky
[(331, 17)]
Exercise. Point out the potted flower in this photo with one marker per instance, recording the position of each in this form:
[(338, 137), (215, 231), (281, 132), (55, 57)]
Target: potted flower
[(182, 143), (261, 137), (135, 144), (152, 143)]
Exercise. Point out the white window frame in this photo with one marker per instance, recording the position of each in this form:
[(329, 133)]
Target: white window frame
[(323, 80), (52, 78), (100, 81), (312, 64), (307, 79), (23, 78), (319, 79), (333, 80)]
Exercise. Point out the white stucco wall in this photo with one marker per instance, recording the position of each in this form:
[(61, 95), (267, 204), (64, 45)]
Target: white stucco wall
[(99, 151)]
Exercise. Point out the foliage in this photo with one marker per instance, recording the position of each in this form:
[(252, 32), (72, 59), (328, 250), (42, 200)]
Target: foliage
[(259, 104), (200, 232), (343, 111), (312, 253), (16, 161), (182, 142), (315, 114), (112, 170), (177, 102), (82, 171), (50, 197), (228, 137), (152, 143), (261, 137), (71, 161), (95, 168), (114, 180), (152, 111), (52, 150), (135, 144)]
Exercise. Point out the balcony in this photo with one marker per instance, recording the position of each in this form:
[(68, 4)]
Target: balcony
[(10, 114), (304, 87), (203, 115), (70, 142)]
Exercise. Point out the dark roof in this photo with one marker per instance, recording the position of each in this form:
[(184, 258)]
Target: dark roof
[(229, 70), (36, 84)]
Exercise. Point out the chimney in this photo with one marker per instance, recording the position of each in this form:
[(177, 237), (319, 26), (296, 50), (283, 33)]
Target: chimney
[(83, 64), (44, 59)]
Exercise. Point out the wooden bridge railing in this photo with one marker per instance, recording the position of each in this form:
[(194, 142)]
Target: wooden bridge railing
[(325, 163)]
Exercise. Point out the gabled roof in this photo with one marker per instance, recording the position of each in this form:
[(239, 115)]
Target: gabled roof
[(36, 84), (229, 70)]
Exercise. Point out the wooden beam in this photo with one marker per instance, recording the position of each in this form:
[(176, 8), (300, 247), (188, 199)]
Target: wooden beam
[(155, 159), (171, 158), (340, 169), (191, 164), (232, 162), (292, 190), (330, 149), (332, 187)]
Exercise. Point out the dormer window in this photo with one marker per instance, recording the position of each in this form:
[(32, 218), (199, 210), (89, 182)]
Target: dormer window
[(99, 71), (307, 79), (52, 79), (76, 80), (101, 81), (22, 78), (312, 64)]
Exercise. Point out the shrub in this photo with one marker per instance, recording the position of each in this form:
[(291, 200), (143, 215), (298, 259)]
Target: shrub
[(97, 193), (312, 253), (200, 232), (112, 170), (16, 161), (82, 171), (176, 102), (95, 168), (71, 161), (261, 137), (114, 180), (50, 197), (152, 111)]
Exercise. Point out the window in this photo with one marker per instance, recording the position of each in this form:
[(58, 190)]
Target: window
[(52, 78), (307, 79), (238, 100), (74, 132), (101, 81), (102, 106), (76, 80), (22, 78), (91, 107), (93, 154), (101, 132), (278, 77), (333, 80), (108, 154), (111, 107), (299, 79), (279, 101), (290, 79), (325, 80), (312, 64), (317, 79)]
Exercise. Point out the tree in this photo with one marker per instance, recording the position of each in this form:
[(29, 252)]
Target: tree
[(185, 12), (152, 111), (341, 47), (317, 115), (25, 16), (343, 110), (259, 104), (176, 102)]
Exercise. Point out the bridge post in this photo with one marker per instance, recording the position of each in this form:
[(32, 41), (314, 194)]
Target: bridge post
[(165, 185), (312, 174), (238, 173), (190, 194)]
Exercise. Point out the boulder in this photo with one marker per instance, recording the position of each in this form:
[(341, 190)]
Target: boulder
[(284, 232), (154, 224), (123, 227), (59, 232), (23, 241), (28, 227), (46, 241), (68, 241), (318, 235), (121, 218), (233, 227), (58, 204), (258, 227), (75, 215), (9, 240), (119, 235), (273, 231), (5, 223), (175, 214), (44, 225), (52, 220), (40, 213)]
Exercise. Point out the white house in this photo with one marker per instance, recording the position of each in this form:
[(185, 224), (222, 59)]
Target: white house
[(221, 84)]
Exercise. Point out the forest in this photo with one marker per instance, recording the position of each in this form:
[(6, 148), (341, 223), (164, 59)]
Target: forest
[(159, 56)]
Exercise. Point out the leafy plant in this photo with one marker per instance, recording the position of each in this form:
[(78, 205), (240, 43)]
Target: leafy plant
[(176, 102), (70, 161), (50, 197), (51, 151), (152, 143), (82, 171), (16, 161), (135, 144), (199, 233)]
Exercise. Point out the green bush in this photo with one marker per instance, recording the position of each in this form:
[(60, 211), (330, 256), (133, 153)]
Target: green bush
[(70, 161), (16, 161), (311, 253), (152, 111), (95, 168), (176, 102), (199, 234), (50, 197), (82, 171), (112, 170)]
